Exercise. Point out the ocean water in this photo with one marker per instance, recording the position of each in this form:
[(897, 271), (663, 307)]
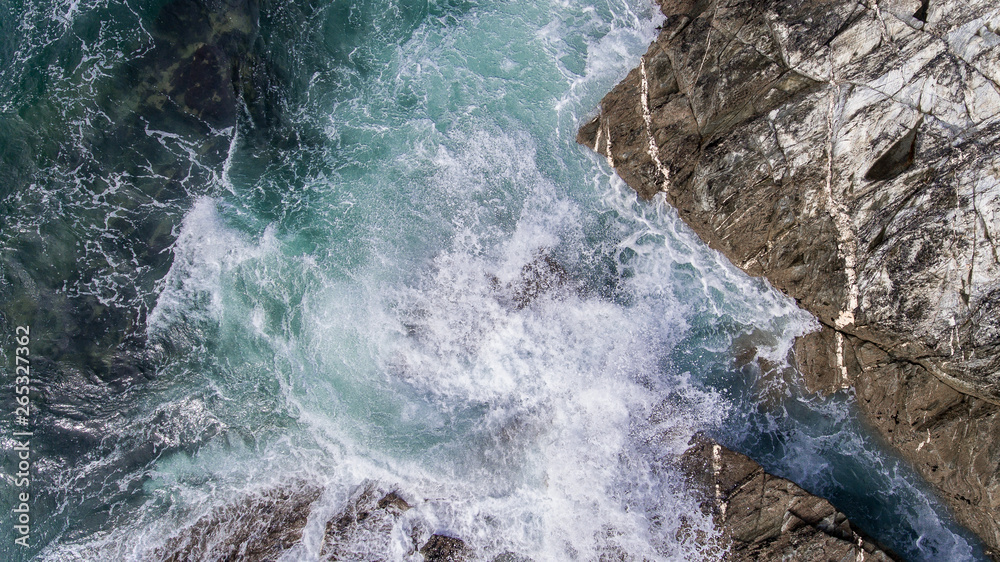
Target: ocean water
[(393, 264)]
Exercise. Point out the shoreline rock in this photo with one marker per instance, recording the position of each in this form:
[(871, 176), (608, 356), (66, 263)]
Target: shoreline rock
[(267, 525), (259, 526), (847, 152), (761, 516), (764, 517)]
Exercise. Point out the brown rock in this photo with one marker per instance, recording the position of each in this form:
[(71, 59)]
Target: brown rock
[(763, 517), (848, 152), (949, 436), (361, 531), (259, 527)]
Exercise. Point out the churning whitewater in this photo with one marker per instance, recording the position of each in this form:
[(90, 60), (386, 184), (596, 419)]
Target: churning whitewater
[(391, 276)]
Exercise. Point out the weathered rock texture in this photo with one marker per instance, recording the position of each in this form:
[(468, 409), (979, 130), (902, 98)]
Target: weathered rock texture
[(261, 527), (848, 152), (264, 526), (440, 548), (763, 517), (258, 528), (361, 531)]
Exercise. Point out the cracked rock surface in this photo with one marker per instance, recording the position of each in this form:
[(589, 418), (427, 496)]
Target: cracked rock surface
[(848, 151), (764, 517)]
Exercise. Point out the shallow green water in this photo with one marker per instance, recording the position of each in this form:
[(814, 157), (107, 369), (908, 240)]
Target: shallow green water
[(398, 266)]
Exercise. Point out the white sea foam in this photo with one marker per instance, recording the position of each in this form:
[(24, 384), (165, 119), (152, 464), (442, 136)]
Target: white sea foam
[(552, 398), (204, 250), (550, 425)]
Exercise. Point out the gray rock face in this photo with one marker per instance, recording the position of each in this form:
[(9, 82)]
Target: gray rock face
[(362, 530), (260, 527), (268, 525), (441, 548), (848, 152), (764, 517)]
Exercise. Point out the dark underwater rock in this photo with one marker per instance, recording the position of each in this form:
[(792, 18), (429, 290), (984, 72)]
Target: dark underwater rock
[(85, 278), (191, 80), (540, 276)]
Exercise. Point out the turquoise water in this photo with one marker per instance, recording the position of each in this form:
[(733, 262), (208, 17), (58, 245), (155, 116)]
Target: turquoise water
[(393, 263)]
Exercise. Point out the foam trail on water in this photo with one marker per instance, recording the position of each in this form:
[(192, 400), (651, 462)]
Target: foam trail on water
[(534, 412), (568, 381)]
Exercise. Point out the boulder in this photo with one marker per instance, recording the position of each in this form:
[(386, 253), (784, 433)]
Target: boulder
[(362, 529), (442, 548)]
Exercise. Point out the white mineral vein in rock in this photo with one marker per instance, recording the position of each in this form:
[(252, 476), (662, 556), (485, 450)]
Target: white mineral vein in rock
[(654, 150)]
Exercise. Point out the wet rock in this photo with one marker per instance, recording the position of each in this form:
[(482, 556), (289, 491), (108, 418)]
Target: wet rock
[(538, 277), (257, 528), (362, 530), (773, 172), (441, 548), (949, 436), (764, 517), (847, 152), (191, 81)]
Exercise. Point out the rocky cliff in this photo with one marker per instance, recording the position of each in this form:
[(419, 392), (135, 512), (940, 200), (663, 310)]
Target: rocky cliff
[(847, 151)]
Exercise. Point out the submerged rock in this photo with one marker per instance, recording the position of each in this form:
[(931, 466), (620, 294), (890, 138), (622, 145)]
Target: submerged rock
[(540, 276), (86, 275), (362, 530), (764, 517), (187, 89), (441, 548), (191, 78), (848, 152)]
